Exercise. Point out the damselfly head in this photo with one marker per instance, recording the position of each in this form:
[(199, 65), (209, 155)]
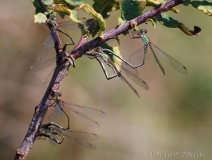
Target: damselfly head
[(59, 94), (98, 49), (143, 31)]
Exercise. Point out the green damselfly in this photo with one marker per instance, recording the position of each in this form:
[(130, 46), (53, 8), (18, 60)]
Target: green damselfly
[(118, 65), (57, 134), (79, 112), (137, 59)]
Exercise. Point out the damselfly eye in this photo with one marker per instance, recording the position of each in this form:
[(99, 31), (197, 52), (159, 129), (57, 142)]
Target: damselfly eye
[(145, 30), (142, 31), (98, 49)]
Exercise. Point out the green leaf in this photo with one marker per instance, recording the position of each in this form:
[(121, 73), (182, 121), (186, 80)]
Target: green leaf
[(73, 16), (52, 14), (61, 8), (97, 16), (167, 21), (153, 21), (172, 23), (204, 6), (71, 4), (37, 6), (120, 21), (36, 3), (105, 6), (155, 3), (95, 31), (39, 18), (112, 57), (131, 9), (48, 2), (118, 40)]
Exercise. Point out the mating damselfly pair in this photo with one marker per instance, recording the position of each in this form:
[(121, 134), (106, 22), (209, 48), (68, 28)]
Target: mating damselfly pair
[(57, 133), (119, 65)]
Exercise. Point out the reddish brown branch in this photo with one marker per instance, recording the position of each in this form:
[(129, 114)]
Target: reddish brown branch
[(61, 71)]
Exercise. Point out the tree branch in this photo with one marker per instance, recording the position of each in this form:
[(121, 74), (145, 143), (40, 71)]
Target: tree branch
[(61, 70)]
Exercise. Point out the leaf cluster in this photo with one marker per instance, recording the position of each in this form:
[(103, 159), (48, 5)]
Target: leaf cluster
[(129, 9)]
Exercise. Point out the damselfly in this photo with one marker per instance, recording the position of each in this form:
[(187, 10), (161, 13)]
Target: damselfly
[(137, 59), (49, 43), (118, 65), (44, 60), (56, 134), (46, 63), (60, 58), (79, 112)]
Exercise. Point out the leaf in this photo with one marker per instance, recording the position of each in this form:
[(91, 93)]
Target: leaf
[(118, 40), (73, 16), (61, 8), (48, 2), (167, 21), (155, 3), (196, 31), (105, 6), (204, 6), (97, 16), (153, 21), (116, 51), (131, 9), (120, 21), (39, 18), (37, 6), (71, 4), (52, 14), (172, 23), (95, 31)]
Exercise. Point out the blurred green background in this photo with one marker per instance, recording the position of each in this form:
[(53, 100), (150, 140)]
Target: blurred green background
[(174, 115)]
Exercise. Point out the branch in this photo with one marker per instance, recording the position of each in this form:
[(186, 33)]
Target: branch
[(62, 70)]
